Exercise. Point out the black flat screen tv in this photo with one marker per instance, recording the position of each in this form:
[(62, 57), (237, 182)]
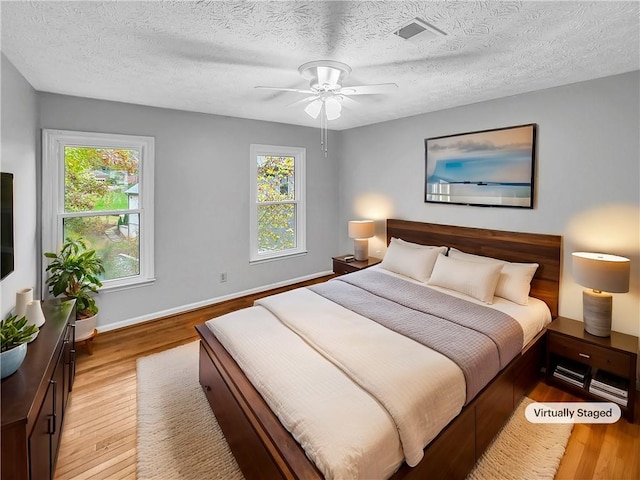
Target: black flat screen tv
[(6, 224)]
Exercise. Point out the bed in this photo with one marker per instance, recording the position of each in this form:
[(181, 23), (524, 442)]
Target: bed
[(470, 418)]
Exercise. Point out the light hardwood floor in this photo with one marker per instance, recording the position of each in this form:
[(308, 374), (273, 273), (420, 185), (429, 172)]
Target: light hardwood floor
[(99, 435)]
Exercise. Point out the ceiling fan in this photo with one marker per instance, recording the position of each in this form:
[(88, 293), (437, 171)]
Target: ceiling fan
[(326, 93), (326, 89)]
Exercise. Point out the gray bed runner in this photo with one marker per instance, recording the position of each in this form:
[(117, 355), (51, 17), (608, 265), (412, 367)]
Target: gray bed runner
[(479, 339)]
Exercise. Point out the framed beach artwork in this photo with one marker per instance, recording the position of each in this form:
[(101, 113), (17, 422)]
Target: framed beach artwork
[(489, 168)]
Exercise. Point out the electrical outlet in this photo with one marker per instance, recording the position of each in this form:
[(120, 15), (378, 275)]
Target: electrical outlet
[(223, 277)]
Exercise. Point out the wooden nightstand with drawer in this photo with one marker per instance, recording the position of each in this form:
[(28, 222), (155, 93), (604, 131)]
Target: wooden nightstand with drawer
[(340, 266), (574, 358)]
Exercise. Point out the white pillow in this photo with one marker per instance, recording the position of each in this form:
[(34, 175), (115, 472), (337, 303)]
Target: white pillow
[(478, 280), (413, 245), (514, 283), (412, 262)]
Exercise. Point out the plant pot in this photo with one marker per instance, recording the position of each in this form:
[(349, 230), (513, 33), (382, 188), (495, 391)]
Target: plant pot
[(11, 360), (85, 327)]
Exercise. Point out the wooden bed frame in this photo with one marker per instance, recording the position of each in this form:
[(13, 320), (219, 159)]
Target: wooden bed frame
[(265, 449)]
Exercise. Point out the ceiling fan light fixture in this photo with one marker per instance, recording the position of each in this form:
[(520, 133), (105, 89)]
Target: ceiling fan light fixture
[(332, 108), (314, 108)]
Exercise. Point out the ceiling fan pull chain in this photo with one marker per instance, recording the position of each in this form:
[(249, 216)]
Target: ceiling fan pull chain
[(321, 130), (324, 137), (326, 140)]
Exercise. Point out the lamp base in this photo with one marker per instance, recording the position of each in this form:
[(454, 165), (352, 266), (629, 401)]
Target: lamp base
[(361, 249), (597, 309)]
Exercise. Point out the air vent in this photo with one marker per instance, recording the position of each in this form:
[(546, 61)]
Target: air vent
[(418, 29)]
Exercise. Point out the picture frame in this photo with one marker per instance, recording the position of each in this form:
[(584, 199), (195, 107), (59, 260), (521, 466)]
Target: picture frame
[(488, 168)]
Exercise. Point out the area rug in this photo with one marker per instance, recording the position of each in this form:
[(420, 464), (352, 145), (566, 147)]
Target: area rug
[(179, 437), (522, 450)]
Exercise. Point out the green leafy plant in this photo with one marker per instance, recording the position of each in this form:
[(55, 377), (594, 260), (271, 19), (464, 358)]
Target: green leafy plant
[(74, 273), (14, 332)]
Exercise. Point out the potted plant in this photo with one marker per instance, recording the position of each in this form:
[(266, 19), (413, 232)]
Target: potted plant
[(14, 335), (74, 273)]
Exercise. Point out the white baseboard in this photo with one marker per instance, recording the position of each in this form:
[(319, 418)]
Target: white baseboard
[(204, 303)]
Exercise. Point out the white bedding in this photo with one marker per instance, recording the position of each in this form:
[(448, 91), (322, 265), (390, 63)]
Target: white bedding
[(420, 388), (342, 428), (367, 398)]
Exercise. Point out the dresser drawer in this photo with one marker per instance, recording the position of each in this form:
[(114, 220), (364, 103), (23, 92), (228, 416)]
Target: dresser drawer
[(593, 355)]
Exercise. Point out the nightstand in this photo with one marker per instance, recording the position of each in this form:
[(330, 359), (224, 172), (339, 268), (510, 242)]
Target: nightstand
[(340, 267), (574, 358)]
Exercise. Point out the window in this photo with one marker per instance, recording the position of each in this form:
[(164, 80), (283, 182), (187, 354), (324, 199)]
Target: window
[(100, 187), (277, 202)]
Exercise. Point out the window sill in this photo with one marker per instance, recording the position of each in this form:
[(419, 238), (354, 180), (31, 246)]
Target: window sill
[(127, 286), (279, 257)]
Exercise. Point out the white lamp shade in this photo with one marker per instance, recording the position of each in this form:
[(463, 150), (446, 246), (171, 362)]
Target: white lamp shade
[(603, 272), (361, 229)]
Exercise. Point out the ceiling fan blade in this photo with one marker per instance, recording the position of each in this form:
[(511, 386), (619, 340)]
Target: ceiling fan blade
[(347, 102), (304, 100), (369, 89), (296, 90), (185, 48), (432, 60)]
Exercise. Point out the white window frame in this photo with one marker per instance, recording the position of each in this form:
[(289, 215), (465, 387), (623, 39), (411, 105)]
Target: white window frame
[(53, 214), (300, 201)]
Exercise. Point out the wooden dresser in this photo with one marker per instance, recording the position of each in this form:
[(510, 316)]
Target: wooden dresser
[(35, 397)]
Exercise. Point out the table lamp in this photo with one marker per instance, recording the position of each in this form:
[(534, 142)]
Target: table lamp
[(603, 274), (361, 231)]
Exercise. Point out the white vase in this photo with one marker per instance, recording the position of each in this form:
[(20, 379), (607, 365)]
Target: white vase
[(34, 313), (23, 297)]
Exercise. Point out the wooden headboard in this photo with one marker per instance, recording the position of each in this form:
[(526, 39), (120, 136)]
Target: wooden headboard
[(510, 246)]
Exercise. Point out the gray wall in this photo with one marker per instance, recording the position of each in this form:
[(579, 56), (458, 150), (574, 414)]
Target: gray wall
[(587, 181), (202, 203), (19, 156)]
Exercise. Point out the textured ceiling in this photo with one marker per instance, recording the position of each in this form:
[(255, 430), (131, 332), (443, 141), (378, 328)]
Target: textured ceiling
[(207, 56)]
